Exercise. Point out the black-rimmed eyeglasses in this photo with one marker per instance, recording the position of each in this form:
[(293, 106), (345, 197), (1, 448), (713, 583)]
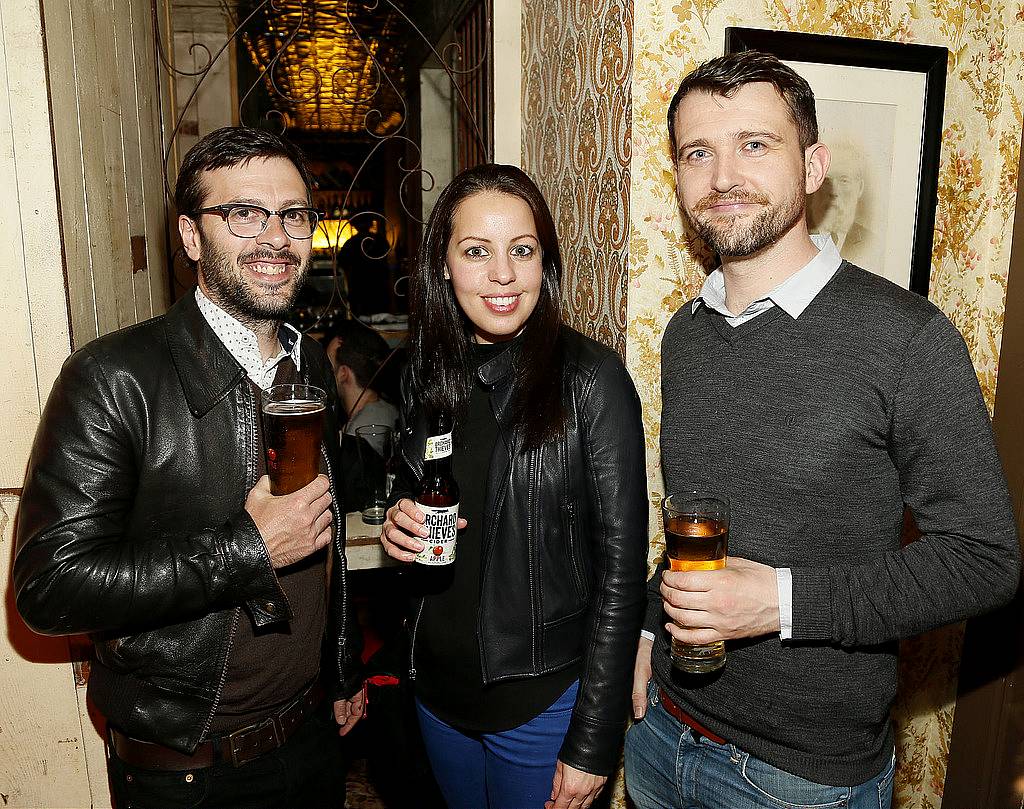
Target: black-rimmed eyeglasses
[(249, 221)]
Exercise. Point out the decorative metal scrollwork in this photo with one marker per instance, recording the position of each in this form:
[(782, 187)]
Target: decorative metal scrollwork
[(336, 67)]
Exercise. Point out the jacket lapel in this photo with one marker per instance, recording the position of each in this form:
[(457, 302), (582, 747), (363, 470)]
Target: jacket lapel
[(205, 368)]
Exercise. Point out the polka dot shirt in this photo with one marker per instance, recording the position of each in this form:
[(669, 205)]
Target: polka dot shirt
[(243, 345)]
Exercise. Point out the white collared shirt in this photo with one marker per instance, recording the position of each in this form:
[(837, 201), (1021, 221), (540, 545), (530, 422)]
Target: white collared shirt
[(792, 296), (244, 346)]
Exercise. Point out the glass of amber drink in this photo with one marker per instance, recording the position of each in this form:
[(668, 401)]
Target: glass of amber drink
[(696, 538), (293, 424)]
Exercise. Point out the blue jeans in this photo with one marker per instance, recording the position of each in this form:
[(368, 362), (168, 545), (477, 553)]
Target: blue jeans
[(670, 767), (512, 769)]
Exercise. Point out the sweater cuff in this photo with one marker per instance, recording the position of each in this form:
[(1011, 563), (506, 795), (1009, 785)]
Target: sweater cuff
[(655, 615), (592, 746), (813, 616)]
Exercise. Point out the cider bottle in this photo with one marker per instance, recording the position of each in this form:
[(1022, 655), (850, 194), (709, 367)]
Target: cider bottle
[(438, 497)]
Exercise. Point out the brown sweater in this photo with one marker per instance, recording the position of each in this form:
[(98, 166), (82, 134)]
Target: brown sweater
[(266, 669)]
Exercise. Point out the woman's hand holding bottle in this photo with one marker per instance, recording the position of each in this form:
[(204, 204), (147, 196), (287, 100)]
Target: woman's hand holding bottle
[(404, 523)]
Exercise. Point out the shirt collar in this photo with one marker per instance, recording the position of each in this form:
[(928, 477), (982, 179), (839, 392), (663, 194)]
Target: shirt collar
[(243, 345), (792, 296)]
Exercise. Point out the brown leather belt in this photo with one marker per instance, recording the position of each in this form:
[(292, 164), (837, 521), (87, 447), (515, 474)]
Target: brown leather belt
[(239, 747), (686, 719)]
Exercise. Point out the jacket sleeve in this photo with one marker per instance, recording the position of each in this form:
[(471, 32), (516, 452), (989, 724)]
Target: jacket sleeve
[(76, 568), (616, 485), (967, 560)]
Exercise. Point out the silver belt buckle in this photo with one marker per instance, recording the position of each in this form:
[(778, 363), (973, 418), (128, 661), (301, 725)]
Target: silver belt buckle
[(259, 729)]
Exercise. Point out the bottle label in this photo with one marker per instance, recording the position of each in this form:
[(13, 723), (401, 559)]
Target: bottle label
[(438, 446), (442, 522)]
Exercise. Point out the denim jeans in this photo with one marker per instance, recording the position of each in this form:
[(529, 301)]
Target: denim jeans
[(668, 766), (512, 769), (308, 771)]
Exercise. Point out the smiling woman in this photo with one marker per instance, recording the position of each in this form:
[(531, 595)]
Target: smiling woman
[(494, 262), (513, 677)]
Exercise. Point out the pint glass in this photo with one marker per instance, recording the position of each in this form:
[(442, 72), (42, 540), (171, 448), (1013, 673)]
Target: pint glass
[(696, 538), (293, 425)]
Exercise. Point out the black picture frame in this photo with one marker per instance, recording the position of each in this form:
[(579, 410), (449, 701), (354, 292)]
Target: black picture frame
[(930, 60)]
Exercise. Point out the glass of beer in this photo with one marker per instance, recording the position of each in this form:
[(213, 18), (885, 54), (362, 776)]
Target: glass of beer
[(293, 424), (696, 538)]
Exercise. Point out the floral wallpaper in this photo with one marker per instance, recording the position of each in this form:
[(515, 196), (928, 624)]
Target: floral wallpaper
[(577, 63), (977, 191)]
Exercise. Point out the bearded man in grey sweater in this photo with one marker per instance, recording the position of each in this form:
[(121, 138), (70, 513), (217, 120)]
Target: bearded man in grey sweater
[(822, 400)]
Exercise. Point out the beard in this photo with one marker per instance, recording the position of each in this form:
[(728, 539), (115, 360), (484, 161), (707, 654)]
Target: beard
[(744, 236), (249, 303)]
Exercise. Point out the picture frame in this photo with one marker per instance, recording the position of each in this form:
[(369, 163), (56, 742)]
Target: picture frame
[(880, 109)]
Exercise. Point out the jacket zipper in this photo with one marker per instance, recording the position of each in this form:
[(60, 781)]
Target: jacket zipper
[(488, 535), (412, 641), (577, 576), (534, 486), (340, 548), (236, 614), (250, 476), (417, 468)]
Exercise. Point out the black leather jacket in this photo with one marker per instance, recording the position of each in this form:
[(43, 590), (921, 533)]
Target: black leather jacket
[(132, 524), (565, 544)]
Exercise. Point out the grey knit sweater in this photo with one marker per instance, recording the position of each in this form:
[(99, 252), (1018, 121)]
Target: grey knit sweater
[(819, 429)]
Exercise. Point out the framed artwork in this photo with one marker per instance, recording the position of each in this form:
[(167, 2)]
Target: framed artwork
[(879, 108)]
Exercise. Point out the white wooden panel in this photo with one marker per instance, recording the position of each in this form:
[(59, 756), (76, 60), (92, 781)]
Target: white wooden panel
[(42, 758), (151, 178), (508, 80), (33, 315), (62, 65), (437, 134), (131, 142), (100, 111)]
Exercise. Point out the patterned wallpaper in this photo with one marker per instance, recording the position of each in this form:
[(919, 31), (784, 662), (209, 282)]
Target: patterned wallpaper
[(577, 63), (977, 189)]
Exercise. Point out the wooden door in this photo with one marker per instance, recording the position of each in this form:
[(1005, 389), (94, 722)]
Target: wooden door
[(83, 232)]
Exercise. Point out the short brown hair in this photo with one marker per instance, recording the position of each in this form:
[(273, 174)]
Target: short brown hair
[(227, 147), (727, 74)]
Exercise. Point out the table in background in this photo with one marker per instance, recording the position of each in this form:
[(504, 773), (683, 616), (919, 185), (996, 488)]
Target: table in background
[(362, 544)]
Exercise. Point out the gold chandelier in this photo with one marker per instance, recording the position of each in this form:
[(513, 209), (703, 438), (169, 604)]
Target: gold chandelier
[(332, 65)]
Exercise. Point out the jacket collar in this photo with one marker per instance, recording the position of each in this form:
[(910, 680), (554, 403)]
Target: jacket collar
[(498, 368), (205, 368)]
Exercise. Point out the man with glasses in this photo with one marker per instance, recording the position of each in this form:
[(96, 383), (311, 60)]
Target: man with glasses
[(148, 522)]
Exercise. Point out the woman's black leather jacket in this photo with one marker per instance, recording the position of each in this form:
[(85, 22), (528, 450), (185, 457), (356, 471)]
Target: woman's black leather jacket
[(565, 543)]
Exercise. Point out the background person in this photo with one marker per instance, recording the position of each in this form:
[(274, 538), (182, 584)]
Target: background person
[(521, 656), (147, 521), (821, 400), (358, 354)]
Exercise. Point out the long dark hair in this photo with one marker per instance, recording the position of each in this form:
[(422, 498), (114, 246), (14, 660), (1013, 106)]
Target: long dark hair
[(441, 333)]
